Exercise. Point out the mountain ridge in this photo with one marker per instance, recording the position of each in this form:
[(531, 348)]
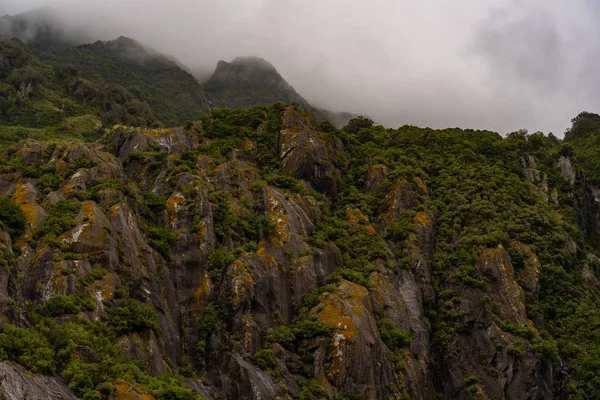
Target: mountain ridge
[(260, 82), (262, 253)]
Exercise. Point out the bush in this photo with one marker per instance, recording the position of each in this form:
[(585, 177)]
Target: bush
[(61, 305), (60, 218), (309, 327), (49, 181), (27, 347), (219, 259), (516, 348), (160, 239), (170, 387), (282, 334), (133, 317), (12, 218), (265, 359), (393, 337), (206, 327)]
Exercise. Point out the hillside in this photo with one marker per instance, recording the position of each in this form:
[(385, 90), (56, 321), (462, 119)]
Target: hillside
[(155, 246), (258, 254), (42, 28), (251, 81), (246, 82), (164, 83), (173, 94), (40, 98)]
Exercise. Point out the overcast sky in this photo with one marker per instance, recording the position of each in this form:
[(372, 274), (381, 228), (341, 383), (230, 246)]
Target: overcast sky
[(492, 64)]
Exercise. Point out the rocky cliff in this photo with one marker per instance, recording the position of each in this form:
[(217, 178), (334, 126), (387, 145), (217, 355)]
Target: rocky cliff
[(260, 255)]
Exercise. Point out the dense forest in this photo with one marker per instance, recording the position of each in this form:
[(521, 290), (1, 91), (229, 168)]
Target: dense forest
[(263, 253)]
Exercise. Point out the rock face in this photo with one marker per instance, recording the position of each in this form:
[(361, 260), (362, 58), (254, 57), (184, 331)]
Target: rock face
[(487, 342), (16, 383), (304, 154), (253, 297)]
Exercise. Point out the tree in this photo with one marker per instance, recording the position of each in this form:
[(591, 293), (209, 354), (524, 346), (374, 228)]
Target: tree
[(12, 218), (356, 124)]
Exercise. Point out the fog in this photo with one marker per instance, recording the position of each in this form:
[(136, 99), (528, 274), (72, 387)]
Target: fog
[(501, 65)]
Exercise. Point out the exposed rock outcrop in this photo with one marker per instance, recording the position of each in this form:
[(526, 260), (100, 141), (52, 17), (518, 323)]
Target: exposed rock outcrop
[(16, 383)]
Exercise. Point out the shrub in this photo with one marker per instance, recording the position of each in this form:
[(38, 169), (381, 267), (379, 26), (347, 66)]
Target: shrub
[(393, 337), (60, 218), (133, 317), (12, 218), (282, 334), (206, 327), (61, 305), (309, 327), (27, 347), (160, 239), (219, 259), (265, 359), (170, 387), (516, 348), (48, 181)]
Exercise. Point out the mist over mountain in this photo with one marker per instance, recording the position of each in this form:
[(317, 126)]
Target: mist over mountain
[(181, 218), (159, 79), (427, 63), (43, 28)]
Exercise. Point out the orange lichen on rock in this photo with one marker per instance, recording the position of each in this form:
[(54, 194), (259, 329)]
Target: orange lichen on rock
[(357, 219), (424, 220), (174, 205), (127, 391), (506, 292), (421, 186), (20, 198), (90, 229), (242, 281), (276, 213), (204, 289), (345, 314)]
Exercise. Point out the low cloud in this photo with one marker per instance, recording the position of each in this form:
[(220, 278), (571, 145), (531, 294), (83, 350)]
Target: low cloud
[(490, 64)]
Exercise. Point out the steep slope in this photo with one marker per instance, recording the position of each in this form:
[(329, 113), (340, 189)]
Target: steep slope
[(213, 261), (250, 81), (246, 82), (57, 99), (173, 94)]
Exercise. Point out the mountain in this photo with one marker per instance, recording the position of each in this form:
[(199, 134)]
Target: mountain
[(262, 253), (250, 81), (246, 82), (173, 94), (163, 82), (41, 97)]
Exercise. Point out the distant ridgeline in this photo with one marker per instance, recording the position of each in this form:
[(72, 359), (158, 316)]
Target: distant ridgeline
[(141, 86)]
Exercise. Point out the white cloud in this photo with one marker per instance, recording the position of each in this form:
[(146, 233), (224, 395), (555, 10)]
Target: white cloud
[(493, 64)]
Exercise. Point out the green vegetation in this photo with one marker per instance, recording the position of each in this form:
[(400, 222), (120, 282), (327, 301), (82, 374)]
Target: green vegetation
[(50, 346), (393, 337), (132, 317), (248, 82), (12, 218), (446, 198), (61, 305), (156, 85), (265, 359), (60, 219)]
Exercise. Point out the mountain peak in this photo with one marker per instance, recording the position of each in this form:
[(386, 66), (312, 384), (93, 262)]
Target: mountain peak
[(253, 69), (249, 81)]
